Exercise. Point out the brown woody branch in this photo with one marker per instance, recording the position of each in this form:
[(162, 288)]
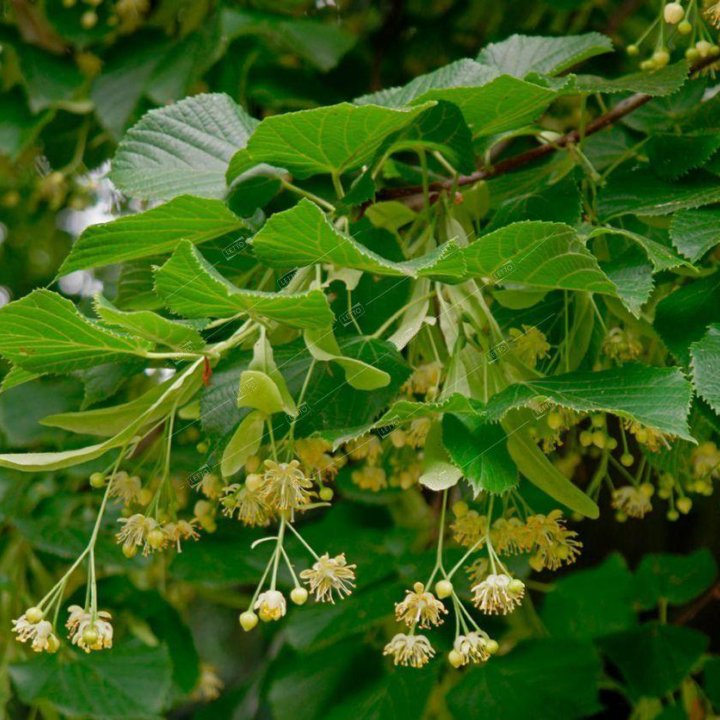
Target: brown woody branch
[(623, 108)]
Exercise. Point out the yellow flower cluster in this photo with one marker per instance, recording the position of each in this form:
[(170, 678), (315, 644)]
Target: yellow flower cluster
[(425, 381), (142, 531), (621, 345), (529, 344), (88, 629), (545, 536)]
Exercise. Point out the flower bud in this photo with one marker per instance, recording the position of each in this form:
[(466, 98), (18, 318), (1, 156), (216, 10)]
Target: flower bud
[(97, 480), (443, 589), (34, 615), (492, 646), (156, 539), (633, 50), (253, 482), (661, 58), (684, 505), (90, 636), (326, 494), (248, 620), (685, 28), (673, 13), (627, 459), (299, 595), (455, 658)]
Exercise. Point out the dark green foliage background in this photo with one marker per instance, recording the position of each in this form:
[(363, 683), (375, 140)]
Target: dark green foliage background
[(593, 645)]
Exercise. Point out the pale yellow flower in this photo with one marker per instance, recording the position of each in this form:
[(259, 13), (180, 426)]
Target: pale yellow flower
[(622, 345), (181, 530), (135, 532), (632, 501), (409, 650), (41, 633), (370, 477), (421, 607), (473, 648), (498, 594), (529, 344), (126, 488), (330, 574), (285, 486), (88, 632), (251, 509), (365, 448), (271, 605), (554, 544)]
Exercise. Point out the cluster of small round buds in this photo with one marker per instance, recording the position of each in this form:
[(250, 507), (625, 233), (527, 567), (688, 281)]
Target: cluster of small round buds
[(703, 49), (599, 439)]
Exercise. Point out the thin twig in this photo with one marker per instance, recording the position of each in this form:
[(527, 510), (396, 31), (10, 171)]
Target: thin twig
[(623, 108)]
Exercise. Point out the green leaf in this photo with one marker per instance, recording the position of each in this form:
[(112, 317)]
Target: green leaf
[(536, 467), (190, 286), (109, 421), (631, 274), (333, 139), (712, 680), (464, 73), (441, 128), (656, 397), (591, 603), (319, 43), (480, 451), (323, 346), (150, 326), (177, 390), (548, 678), (705, 363), (654, 659), (661, 256), (541, 254), (694, 232), (677, 579), (683, 317), (395, 696), (672, 156), (51, 80), (259, 391), (17, 376), (18, 126), (505, 103), (438, 472), (643, 193), (182, 148), (657, 83), (303, 236), (520, 55), (131, 681), (153, 232), (244, 443), (44, 332)]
